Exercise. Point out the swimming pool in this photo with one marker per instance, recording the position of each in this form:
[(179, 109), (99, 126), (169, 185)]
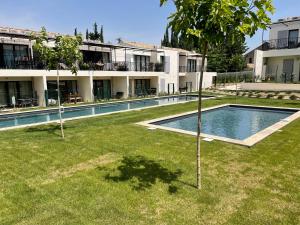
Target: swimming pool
[(233, 123), (45, 116)]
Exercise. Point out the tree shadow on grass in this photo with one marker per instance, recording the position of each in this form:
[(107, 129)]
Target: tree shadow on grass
[(144, 173), (53, 129)]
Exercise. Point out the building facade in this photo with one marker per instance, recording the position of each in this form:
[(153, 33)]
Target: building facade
[(279, 58), (108, 71)]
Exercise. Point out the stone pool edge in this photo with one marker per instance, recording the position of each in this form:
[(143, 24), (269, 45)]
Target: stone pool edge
[(248, 142)]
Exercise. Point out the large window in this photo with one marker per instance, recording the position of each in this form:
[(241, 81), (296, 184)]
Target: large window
[(95, 57), (191, 65), (17, 89), (14, 56), (141, 62), (66, 88), (142, 87)]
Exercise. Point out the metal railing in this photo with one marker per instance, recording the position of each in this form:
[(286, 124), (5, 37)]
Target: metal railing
[(188, 69), (123, 66), (283, 43), (110, 66)]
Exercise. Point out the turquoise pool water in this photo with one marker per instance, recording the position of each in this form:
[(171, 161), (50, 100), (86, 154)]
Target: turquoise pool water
[(235, 122), (13, 120)]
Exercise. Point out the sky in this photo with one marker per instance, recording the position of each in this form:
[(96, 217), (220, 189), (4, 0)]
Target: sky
[(133, 20)]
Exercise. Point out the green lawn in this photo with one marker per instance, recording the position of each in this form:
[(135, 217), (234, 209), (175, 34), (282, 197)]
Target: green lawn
[(110, 171)]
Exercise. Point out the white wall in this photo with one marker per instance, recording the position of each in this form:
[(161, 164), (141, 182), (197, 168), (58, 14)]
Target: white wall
[(281, 27), (40, 85), (85, 88), (120, 84), (270, 87)]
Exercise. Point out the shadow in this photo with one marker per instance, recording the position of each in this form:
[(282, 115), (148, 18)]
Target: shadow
[(53, 129), (144, 173)]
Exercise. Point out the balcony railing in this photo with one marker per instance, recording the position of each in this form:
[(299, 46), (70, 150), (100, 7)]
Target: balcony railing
[(123, 66), (188, 69), (284, 43), (111, 66)]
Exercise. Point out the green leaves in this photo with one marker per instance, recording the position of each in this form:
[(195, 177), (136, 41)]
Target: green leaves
[(211, 20), (63, 50)]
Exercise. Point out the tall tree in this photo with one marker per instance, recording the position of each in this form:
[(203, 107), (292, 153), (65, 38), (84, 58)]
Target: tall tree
[(66, 54), (75, 32), (228, 55), (209, 22), (87, 34), (166, 41), (101, 35), (174, 39)]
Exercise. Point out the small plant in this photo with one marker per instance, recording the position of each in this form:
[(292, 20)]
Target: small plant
[(270, 96), (280, 97), (250, 94), (258, 96), (288, 92), (277, 92), (244, 94), (293, 97)]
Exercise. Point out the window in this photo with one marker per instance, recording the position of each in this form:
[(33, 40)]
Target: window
[(191, 65), (14, 55), (141, 62), (293, 38), (250, 60)]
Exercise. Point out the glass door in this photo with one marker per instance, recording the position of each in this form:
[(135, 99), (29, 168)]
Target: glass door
[(293, 38)]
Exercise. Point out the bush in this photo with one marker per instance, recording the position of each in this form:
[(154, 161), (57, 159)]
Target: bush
[(280, 97), (293, 97), (250, 94), (258, 96), (270, 96)]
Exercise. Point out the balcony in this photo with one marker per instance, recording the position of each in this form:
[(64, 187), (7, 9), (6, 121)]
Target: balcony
[(284, 43), (111, 66), (188, 69)]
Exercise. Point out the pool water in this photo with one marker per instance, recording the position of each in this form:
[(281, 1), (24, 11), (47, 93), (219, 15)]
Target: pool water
[(235, 122), (13, 120)]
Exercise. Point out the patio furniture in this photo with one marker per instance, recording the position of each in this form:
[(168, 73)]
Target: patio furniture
[(23, 102)]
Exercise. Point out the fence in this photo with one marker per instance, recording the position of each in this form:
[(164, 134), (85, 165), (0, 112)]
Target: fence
[(232, 77)]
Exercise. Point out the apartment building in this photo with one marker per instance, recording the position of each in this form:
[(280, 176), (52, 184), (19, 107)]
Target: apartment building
[(108, 71), (279, 58)]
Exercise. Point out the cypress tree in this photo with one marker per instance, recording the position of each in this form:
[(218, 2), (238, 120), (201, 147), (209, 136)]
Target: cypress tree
[(87, 35), (101, 35), (75, 32)]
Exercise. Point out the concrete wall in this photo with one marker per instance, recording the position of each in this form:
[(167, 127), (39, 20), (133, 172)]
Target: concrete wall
[(270, 87), (273, 34), (40, 85), (85, 88), (120, 84)]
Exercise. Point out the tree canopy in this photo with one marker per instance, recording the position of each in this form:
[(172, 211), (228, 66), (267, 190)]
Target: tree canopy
[(64, 51)]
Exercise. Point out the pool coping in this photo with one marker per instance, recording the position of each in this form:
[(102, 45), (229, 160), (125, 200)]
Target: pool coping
[(249, 142), (98, 115)]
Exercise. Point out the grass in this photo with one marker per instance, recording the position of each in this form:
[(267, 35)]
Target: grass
[(110, 171)]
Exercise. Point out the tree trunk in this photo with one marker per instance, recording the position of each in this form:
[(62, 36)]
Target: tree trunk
[(59, 107), (199, 116)]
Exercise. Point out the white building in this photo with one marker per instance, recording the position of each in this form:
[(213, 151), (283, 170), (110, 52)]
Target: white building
[(108, 71), (279, 59)]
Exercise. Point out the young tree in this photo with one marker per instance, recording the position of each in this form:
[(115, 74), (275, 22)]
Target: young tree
[(65, 53), (209, 22)]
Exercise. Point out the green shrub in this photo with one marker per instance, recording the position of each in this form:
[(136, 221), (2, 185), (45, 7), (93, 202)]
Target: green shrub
[(280, 97), (293, 97), (250, 94), (270, 96), (258, 96)]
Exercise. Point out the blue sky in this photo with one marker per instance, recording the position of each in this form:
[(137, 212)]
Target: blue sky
[(136, 20)]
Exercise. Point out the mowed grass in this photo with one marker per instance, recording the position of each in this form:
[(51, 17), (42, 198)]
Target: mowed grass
[(110, 171)]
